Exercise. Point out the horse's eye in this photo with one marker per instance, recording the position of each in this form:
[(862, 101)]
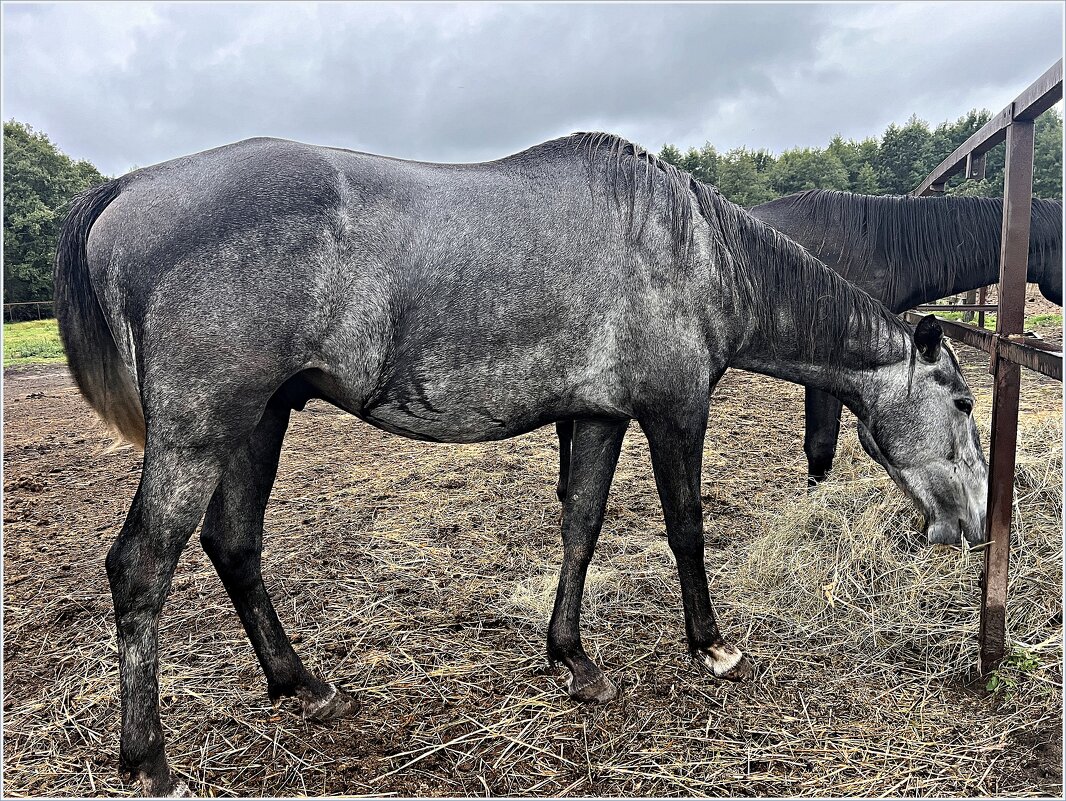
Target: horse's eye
[(964, 405)]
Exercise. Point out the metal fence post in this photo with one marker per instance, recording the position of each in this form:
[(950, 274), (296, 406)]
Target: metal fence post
[(1014, 256)]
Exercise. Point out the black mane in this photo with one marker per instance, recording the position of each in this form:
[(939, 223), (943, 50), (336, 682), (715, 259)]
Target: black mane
[(947, 235)]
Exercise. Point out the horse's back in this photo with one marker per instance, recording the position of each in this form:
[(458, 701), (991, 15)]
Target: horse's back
[(488, 297)]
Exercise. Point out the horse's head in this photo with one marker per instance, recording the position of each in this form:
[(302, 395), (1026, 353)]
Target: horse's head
[(925, 437)]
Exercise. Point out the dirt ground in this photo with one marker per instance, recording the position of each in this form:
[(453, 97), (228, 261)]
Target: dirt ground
[(411, 573)]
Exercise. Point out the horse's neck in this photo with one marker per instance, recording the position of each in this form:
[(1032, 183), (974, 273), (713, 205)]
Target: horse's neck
[(797, 319), (959, 262), (872, 348)]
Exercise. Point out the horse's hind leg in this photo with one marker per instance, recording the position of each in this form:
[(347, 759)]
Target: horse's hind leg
[(233, 537), (176, 483), (677, 455), (596, 446)]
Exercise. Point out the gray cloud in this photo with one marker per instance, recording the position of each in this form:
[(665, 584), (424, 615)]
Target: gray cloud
[(132, 84)]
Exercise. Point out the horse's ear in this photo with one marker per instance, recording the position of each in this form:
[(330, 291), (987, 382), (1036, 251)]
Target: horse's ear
[(928, 337)]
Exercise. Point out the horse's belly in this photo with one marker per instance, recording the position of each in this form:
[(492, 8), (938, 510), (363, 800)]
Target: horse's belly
[(467, 428), (473, 424), (476, 408)]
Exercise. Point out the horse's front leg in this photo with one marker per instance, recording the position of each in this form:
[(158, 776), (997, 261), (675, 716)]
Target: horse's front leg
[(596, 445), (821, 418), (677, 453)]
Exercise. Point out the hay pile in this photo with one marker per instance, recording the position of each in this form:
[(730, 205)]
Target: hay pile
[(848, 572)]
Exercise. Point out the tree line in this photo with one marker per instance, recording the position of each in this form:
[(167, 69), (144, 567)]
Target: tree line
[(894, 164), (40, 180)]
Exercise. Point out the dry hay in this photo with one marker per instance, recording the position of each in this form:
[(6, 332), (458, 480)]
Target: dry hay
[(422, 577), (848, 570)]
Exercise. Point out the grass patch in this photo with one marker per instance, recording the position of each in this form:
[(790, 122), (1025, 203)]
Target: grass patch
[(990, 319), (1043, 320), (34, 342)]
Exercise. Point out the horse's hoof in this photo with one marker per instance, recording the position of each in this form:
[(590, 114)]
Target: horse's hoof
[(726, 662), (337, 704), (742, 671), (167, 787), (598, 691)]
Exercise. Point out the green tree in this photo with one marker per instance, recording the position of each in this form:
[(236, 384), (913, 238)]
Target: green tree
[(671, 155), (702, 163), (1047, 163), (895, 164), (866, 181), (39, 181), (855, 156), (807, 168), (739, 178), (1047, 156), (904, 157), (763, 160)]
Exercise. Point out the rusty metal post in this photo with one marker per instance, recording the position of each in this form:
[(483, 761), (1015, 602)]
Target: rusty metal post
[(1014, 253)]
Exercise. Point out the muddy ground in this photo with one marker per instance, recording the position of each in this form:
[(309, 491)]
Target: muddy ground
[(409, 572)]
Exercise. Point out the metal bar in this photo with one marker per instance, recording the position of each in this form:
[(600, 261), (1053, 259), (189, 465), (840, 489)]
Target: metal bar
[(1014, 251), (935, 307), (982, 296), (1037, 98), (1042, 360), (1034, 354), (990, 134), (1034, 342), (1040, 95)]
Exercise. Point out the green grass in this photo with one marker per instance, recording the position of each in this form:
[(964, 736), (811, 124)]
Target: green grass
[(990, 319), (35, 342), (1041, 320)]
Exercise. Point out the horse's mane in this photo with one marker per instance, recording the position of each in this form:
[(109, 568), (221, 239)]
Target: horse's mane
[(759, 270), (945, 235)]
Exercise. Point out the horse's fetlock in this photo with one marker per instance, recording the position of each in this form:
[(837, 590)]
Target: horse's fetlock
[(561, 645), (144, 756)]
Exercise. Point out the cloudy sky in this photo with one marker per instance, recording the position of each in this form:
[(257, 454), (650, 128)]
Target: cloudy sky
[(126, 84)]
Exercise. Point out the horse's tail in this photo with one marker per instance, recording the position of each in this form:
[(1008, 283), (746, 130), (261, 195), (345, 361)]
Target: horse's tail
[(92, 354)]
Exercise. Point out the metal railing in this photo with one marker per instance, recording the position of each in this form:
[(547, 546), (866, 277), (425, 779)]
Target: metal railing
[(1008, 348)]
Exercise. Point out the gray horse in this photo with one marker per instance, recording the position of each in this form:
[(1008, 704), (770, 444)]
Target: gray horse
[(203, 299)]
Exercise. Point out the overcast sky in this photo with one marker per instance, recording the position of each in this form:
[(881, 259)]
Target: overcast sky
[(126, 84)]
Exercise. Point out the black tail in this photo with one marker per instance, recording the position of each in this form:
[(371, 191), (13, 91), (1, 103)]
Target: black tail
[(94, 360)]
